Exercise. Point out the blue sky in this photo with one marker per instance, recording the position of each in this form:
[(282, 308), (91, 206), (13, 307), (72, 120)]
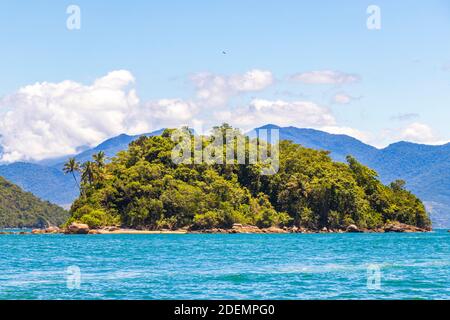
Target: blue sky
[(402, 72)]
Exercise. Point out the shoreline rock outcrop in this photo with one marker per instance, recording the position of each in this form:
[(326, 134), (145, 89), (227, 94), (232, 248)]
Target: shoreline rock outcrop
[(353, 229), (401, 227), (77, 228), (49, 230)]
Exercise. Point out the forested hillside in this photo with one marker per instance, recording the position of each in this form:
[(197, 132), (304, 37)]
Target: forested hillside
[(22, 209)]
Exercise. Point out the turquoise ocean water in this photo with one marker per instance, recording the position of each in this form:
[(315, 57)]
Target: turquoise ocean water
[(242, 266)]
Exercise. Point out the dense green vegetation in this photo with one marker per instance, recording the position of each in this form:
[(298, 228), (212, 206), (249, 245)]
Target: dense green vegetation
[(143, 188), (22, 209), (426, 168)]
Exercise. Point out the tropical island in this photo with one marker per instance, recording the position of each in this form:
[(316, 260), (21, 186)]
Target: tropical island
[(143, 189)]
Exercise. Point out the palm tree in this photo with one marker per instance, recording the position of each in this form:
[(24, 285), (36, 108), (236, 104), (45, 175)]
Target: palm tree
[(88, 172), (72, 166), (99, 164), (99, 159)]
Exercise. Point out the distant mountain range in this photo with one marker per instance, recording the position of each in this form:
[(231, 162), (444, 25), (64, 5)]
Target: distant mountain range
[(425, 168)]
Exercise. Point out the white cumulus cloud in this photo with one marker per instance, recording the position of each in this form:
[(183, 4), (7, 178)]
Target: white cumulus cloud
[(216, 90), (46, 120), (419, 132), (352, 132), (325, 77), (162, 113), (416, 132), (283, 113), (253, 80), (342, 98)]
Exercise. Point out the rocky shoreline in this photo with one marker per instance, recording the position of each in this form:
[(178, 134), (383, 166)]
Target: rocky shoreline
[(238, 228), (79, 228)]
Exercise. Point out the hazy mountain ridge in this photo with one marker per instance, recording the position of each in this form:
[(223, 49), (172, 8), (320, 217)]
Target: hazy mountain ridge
[(339, 144), (110, 147), (48, 183)]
